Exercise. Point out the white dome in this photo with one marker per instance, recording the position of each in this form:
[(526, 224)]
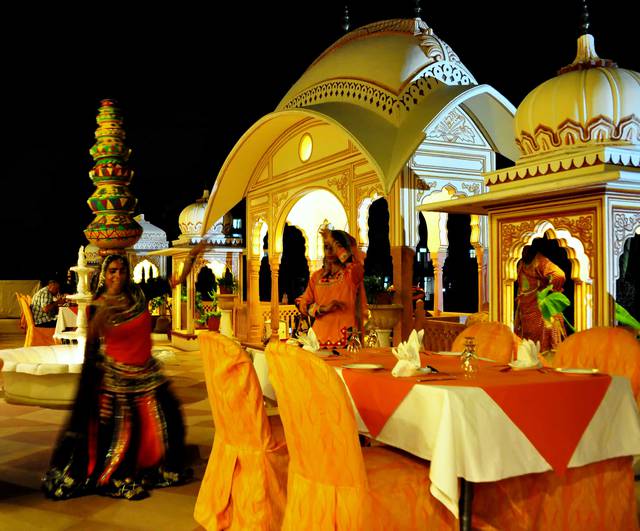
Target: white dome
[(92, 254), (152, 237), (192, 216)]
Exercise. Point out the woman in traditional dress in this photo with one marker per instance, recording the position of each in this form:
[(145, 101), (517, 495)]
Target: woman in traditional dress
[(335, 296), (535, 273), (126, 432)]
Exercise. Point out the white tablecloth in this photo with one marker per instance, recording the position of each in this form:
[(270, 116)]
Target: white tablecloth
[(465, 434), (66, 319)]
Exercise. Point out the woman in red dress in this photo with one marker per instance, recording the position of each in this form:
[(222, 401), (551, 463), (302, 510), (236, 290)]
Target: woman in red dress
[(126, 432)]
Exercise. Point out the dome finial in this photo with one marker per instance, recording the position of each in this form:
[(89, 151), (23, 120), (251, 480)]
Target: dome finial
[(584, 27), (345, 19), (586, 57), (417, 9)]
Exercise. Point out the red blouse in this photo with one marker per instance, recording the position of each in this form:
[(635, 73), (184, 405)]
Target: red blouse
[(130, 342)]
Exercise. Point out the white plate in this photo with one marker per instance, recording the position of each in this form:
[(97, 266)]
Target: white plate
[(365, 366), (565, 370)]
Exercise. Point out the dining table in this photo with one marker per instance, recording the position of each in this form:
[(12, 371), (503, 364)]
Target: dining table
[(66, 323), (487, 426)]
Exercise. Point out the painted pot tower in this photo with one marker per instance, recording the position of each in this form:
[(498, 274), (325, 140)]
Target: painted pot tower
[(113, 228)]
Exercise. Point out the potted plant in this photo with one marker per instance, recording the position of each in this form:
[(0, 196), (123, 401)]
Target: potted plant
[(376, 292), (161, 314), (383, 314), (209, 316)]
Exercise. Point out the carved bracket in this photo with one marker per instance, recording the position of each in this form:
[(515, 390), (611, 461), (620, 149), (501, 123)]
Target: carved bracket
[(625, 225)]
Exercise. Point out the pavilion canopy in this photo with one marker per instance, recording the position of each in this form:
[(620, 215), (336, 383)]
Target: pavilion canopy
[(387, 145)]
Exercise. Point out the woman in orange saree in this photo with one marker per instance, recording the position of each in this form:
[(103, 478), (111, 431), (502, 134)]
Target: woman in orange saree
[(334, 297)]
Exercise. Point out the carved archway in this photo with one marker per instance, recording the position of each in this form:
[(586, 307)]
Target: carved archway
[(145, 268), (287, 207), (580, 268), (363, 217)]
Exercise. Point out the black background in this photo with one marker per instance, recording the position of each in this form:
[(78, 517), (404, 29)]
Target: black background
[(191, 78)]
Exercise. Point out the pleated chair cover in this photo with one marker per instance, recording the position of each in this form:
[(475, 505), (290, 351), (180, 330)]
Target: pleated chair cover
[(36, 336), (333, 483), (244, 486), (494, 340), (610, 349)]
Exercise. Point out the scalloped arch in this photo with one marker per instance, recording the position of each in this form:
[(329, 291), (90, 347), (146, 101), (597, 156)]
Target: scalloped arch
[(580, 263)]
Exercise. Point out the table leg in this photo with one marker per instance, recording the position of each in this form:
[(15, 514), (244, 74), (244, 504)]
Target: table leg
[(464, 505)]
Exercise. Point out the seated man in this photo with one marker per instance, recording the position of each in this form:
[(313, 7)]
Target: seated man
[(45, 303)]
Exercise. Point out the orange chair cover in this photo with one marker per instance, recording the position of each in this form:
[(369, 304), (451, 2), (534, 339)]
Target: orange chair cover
[(478, 317), (333, 483), (610, 349), (244, 486), (494, 340), (35, 336)]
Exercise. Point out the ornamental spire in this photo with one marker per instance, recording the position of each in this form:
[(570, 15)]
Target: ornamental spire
[(586, 56), (346, 25), (584, 27), (417, 9)]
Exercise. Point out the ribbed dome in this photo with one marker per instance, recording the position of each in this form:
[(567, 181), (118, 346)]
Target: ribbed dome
[(379, 63), (191, 217), (152, 237), (92, 254), (590, 102)]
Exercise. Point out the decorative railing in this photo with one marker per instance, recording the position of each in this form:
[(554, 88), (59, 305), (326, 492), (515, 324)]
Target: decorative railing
[(439, 332), (287, 314)]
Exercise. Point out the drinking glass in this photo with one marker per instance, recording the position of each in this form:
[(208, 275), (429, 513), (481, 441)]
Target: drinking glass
[(469, 358)]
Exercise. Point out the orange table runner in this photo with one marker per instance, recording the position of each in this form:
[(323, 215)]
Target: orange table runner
[(551, 409)]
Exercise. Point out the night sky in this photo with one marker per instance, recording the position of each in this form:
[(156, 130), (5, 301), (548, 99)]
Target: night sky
[(191, 80)]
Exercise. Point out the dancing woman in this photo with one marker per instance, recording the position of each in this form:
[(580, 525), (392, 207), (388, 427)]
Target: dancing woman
[(126, 433)]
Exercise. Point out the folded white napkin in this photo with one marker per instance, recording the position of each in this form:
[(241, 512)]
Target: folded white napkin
[(309, 341), (408, 355), (527, 356)]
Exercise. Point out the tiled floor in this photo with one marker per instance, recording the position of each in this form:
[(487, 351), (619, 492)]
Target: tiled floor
[(27, 434)]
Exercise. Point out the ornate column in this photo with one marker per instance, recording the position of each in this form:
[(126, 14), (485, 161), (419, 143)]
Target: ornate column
[(583, 313), (113, 228), (176, 311), (254, 334), (437, 243), (403, 257), (480, 259), (191, 299), (275, 299)]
